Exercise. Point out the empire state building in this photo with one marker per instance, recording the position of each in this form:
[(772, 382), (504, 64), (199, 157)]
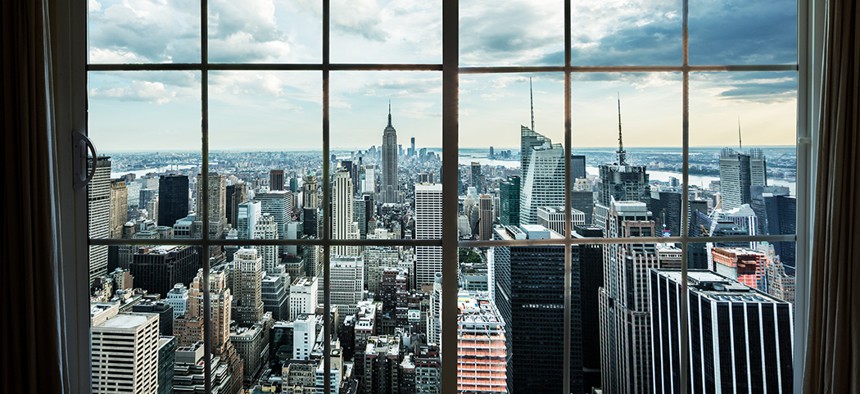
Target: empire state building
[(389, 190)]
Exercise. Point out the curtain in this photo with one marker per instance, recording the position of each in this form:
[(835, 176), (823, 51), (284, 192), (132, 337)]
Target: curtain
[(833, 337), (31, 356)]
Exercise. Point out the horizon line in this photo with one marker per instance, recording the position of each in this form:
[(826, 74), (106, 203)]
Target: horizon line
[(299, 150)]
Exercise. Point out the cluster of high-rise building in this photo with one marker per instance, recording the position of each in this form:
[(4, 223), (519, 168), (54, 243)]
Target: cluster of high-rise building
[(615, 319)]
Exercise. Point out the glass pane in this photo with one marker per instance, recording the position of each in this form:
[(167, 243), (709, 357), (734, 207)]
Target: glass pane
[(625, 310), (612, 33), (153, 295), (386, 31), (512, 33), (263, 308), (265, 31), (382, 320), (752, 179), (524, 287), (265, 136), (741, 307), (627, 160), (509, 123), (386, 166), (146, 127), (148, 31), (743, 32)]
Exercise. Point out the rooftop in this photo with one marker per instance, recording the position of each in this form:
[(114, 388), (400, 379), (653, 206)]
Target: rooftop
[(128, 320), (717, 287), (526, 231)]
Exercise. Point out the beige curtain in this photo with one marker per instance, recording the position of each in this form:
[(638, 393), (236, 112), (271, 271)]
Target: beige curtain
[(833, 337), (30, 340)]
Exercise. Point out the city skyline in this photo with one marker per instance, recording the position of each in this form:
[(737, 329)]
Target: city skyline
[(411, 302), (650, 113)]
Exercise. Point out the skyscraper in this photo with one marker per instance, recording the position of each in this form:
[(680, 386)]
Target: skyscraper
[(477, 179), (735, 180), (427, 370), (189, 329), (591, 280), (303, 296), (428, 225), (390, 192), (543, 184), (275, 293), (529, 139), (781, 214), (266, 228), (583, 201), (124, 351), (343, 225), (246, 277), (743, 265), (246, 221), (509, 199), (481, 351), (359, 211), (158, 269), (236, 194), (577, 167), (485, 214), (118, 207), (758, 168), (529, 293), (98, 204), (381, 360), (310, 196), (666, 209), (743, 338), (625, 329), (172, 199), (622, 181), (217, 203), (276, 179), (369, 183), (279, 204)]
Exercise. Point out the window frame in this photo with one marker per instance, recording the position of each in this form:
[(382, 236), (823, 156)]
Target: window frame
[(69, 30)]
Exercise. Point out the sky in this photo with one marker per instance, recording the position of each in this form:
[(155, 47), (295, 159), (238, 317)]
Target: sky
[(248, 110)]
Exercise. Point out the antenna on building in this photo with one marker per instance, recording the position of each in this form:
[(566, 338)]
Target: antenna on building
[(532, 103), (389, 113), (621, 153), (740, 142)]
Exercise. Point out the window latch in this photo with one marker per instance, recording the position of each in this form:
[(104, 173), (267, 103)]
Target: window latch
[(84, 168)]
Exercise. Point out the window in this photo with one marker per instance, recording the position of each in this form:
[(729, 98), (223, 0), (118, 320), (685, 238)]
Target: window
[(607, 191)]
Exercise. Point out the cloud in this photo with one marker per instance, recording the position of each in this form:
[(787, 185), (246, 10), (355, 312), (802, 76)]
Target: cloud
[(246, 31), (137, 91), (159, 87), (758, 87), (743, 32), (511, 33), (144, 31)]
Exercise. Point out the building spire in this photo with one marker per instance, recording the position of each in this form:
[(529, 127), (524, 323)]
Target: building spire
[(389, 113), (532, 103), (621, 153), (740, 141)]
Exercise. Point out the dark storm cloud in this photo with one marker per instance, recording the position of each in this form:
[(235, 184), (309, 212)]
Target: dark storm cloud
[(743, 32), (653, 44)]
